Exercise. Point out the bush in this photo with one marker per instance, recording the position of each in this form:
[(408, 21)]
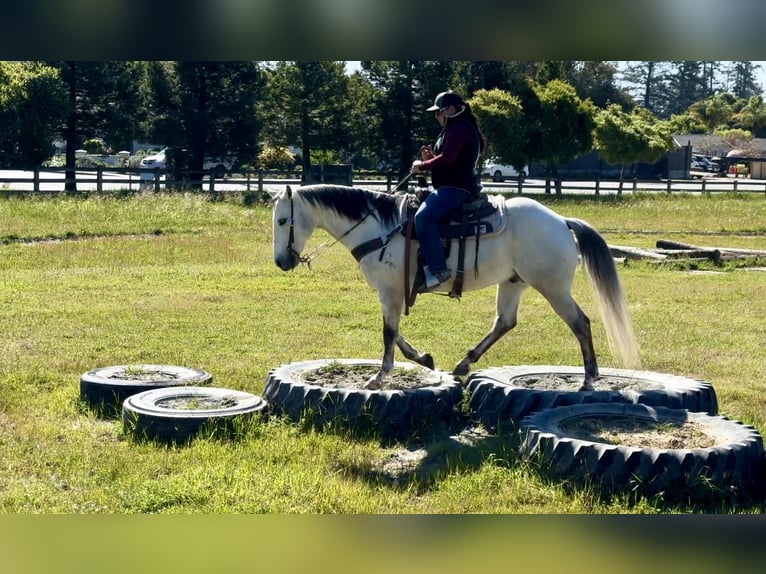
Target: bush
[(276, 158), (94, 146)]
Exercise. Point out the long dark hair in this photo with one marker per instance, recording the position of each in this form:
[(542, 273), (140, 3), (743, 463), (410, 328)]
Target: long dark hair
[(468, 113)]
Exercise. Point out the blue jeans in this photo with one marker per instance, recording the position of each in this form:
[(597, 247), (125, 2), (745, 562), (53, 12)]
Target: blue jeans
[(437, 205)]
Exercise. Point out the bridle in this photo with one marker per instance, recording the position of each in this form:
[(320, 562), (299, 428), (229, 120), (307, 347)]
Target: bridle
[(291, 237)]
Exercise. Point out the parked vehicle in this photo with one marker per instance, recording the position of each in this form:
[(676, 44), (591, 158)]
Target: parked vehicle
[(499, 172), (159, 160), (704, 163)]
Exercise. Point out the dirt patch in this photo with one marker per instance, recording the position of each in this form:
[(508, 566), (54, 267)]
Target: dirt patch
[(337, 375), (638, 432), (566, 382), (143, 374), (191, 403)]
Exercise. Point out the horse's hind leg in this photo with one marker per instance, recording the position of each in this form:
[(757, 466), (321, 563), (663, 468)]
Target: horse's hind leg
[(566, 308), (507, 304)]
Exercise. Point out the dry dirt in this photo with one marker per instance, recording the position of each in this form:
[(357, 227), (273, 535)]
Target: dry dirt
[(572, 383), (638, 432), (356, 377)]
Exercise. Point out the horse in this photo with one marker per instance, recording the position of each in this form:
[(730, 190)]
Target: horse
[(535, 247)]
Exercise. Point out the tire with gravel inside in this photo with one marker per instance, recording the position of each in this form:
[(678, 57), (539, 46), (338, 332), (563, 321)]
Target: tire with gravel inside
[(502, 396), (733, 461), (105, 388), (177, 414), (394, 413)]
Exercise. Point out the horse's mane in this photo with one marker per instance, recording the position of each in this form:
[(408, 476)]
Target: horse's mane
[(353, 202)]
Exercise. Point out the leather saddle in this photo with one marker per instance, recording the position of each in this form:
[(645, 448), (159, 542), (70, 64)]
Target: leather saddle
[(474, 218)]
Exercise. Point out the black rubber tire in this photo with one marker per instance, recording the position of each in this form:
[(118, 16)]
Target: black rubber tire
[(395, 414), (497, 177), (157, 414), (106, 388), (736, 460), (494, 397)]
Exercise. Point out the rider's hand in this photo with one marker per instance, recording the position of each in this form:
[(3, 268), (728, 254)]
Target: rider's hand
[(417, 167)]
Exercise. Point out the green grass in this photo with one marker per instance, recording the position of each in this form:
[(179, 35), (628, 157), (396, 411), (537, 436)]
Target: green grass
[(181, 280)]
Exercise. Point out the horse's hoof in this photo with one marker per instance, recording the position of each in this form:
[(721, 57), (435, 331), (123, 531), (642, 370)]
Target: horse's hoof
[(587, 386), (373, 384), (462, 369), (428, 361)]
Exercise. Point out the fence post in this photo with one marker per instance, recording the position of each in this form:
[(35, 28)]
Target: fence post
[(703, 185), (212, 181), (735, 186), (260, 181), (598, 185), (36, 183), (99, 178), (247, 188), (669, 182), (635, 184), (157, 179)]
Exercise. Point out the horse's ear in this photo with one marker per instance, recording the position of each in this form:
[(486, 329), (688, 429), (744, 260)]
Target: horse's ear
[(273, 194)]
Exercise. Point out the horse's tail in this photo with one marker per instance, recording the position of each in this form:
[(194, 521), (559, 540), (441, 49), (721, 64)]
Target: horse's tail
[(599, 264)]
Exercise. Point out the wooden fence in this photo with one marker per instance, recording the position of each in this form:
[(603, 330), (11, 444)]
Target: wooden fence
[(103, 179)]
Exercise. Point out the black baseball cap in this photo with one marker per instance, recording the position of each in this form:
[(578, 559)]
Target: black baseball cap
[(445, 100)]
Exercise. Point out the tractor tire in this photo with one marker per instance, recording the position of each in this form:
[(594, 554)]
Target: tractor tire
[(557, 439), (504, 395), (394, 413), (106, 388), (176, 414)]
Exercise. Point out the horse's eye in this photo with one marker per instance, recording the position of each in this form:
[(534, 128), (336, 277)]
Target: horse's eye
[(282, 220)]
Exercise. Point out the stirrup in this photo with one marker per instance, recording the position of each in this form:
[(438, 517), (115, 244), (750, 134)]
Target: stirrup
[(433, 280)]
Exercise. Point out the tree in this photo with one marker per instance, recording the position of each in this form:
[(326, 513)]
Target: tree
[(751, 116), (502, 120), (364, 123), (105, 99), (216, 111), (565, 125), (307, 104), (633, 137), (596, 81), (32, 108), (686, 84), (713, 111), (405, 89), (741, 79)]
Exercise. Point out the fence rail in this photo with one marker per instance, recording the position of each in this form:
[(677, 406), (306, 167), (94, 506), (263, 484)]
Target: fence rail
[(101, 179)]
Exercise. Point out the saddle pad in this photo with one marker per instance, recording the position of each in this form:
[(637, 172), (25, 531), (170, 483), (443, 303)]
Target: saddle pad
[(487, 226)]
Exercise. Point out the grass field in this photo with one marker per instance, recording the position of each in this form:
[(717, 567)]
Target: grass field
[(183, 280)]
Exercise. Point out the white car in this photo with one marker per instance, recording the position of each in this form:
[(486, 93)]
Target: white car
[(154, 161), (500, 172), (158, 160)]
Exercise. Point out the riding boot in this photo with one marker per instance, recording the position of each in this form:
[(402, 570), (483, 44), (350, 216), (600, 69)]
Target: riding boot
[(433, 280)]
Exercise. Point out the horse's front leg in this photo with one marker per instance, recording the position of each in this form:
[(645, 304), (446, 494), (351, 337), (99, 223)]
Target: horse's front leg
[(390, 334), (413, 354)]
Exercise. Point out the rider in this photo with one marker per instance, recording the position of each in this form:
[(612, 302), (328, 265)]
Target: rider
[(453, 162)]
